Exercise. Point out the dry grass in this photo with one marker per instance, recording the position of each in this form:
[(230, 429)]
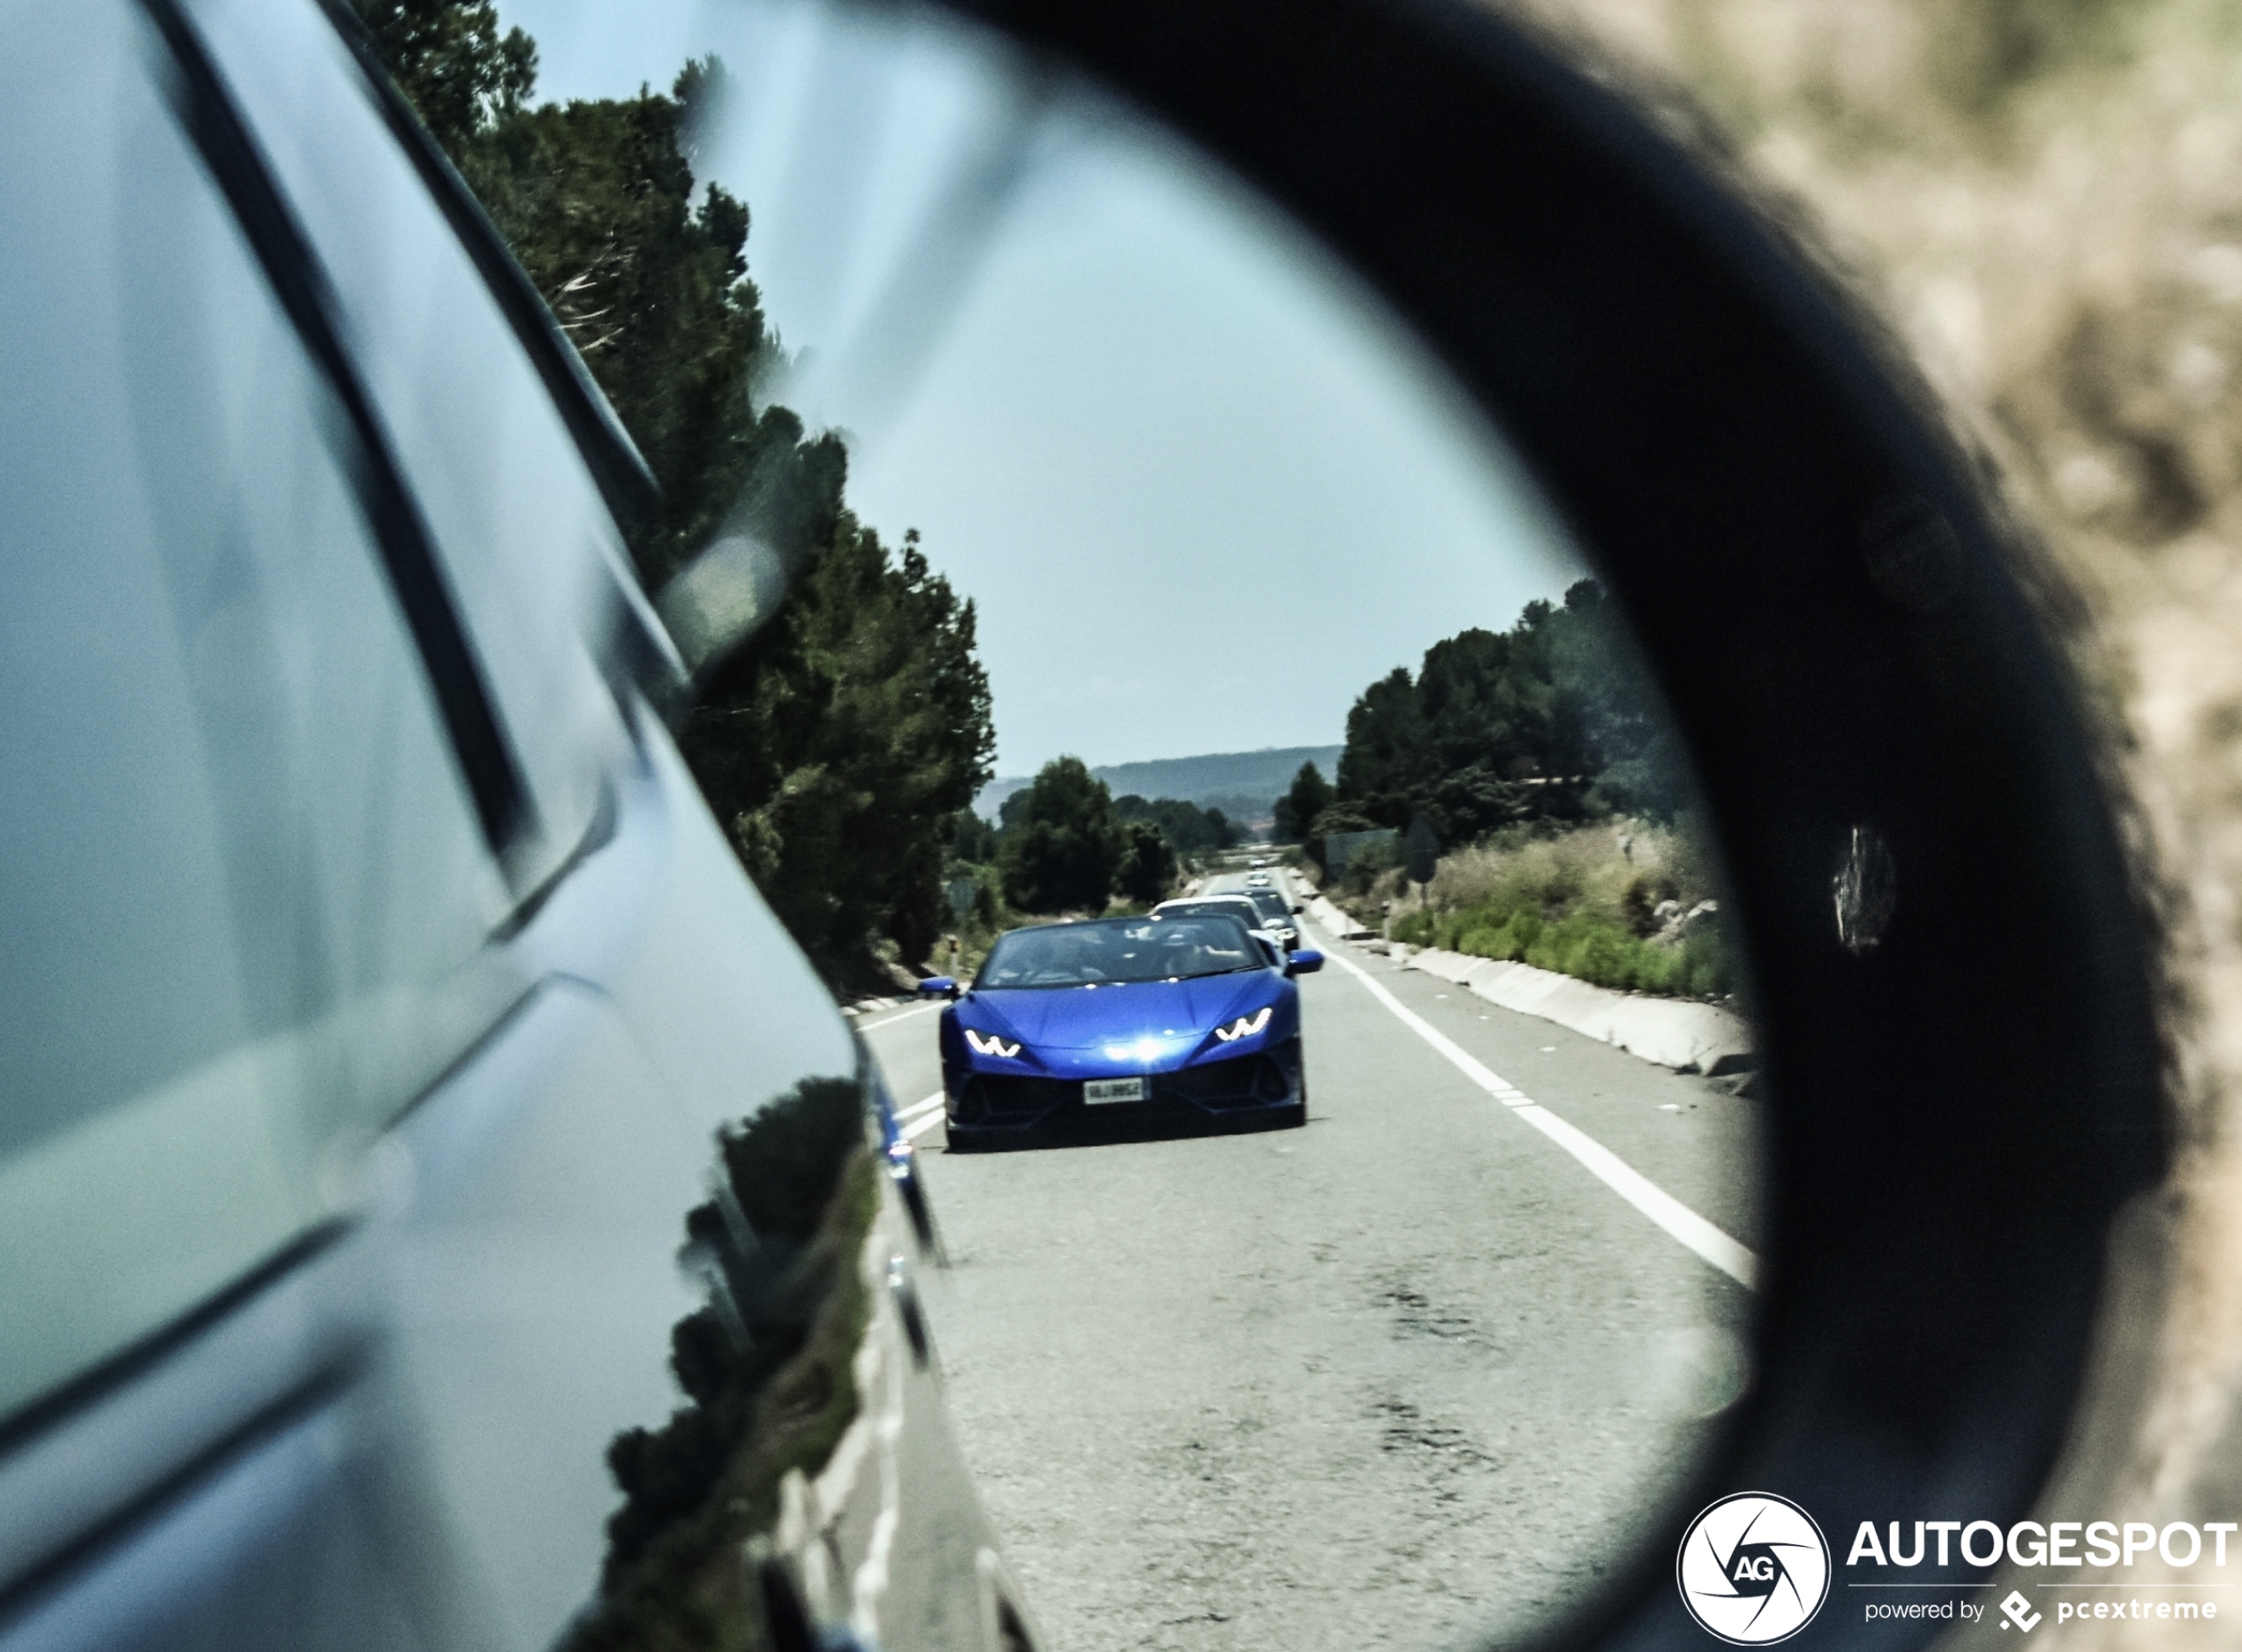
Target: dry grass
[(1587, 871), (1602, 902)]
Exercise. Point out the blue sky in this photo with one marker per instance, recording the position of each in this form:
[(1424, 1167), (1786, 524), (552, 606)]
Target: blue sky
[(1200, 488)]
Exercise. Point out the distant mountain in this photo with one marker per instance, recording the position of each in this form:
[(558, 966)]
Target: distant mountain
[(1219, 780)]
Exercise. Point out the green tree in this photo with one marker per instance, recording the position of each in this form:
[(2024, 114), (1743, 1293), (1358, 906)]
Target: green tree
[(1553, 718), (973, 839), (1147, 863), (840, 749), (1296, 811), (1188, 828), (1064, 847), (1626, 739), (1387, 753), (597, 198), (451, 63)]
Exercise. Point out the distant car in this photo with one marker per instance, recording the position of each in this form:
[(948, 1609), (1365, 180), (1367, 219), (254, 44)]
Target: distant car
[(1276, 916), (1190, 1019), (1257, 880), (1230, 904), (1258, 861)]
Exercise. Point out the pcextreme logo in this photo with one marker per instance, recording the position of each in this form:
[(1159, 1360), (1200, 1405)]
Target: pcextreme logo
[(1753, 1568)]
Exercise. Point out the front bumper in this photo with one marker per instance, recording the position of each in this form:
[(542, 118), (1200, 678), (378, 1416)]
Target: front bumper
[(1235, 1088)]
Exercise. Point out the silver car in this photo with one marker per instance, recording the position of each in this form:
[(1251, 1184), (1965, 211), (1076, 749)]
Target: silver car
[(385, 1017), (1238, 905)]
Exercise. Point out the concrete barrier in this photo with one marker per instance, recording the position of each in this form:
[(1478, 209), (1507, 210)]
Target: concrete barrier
[(1676, 1033), (1336, 922)]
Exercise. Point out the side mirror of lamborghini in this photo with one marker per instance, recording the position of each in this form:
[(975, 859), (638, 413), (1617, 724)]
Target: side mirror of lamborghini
[(1950, 987), (1814, 861)]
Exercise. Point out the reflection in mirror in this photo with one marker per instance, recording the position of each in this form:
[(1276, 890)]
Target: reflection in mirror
[(769, 1366), (1168, 656)]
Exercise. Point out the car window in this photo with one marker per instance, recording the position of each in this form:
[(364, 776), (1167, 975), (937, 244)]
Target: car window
[(246, 897), (1119, 951), (534, 559), (1243, 910)]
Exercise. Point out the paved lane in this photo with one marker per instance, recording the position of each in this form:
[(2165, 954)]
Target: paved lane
[(1400, 1377)]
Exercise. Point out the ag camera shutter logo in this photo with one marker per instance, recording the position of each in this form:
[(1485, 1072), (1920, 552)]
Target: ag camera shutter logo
[(1753, 1569)]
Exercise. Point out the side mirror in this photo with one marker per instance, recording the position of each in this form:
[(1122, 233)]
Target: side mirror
[(938, 986), (1298, 909), (1304, 962)]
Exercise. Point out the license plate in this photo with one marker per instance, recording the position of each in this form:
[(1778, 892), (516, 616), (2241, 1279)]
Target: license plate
[(1097, 1090)]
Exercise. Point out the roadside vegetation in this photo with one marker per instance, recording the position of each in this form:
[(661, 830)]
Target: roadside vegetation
[(838, 748), (1625, 903), (1554, 719), (1534, 769)]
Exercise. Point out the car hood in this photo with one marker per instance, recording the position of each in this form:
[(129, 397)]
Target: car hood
[(1086, 1017)]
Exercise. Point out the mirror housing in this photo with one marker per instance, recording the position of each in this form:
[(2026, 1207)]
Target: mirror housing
[(1820, 584), (1304, 962), (938, 986)]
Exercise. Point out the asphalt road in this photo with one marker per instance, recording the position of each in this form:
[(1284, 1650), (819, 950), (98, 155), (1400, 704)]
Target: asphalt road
[(1410, 1375)]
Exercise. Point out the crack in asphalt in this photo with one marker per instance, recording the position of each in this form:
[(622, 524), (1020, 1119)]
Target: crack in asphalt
[(1415, 1315)]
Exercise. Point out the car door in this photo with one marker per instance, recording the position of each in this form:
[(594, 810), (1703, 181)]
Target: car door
[(421, 1131)]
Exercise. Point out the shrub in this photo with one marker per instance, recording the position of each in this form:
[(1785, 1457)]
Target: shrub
[(1581, 903), (1702, 966), (1640, 901), (1417, 928), (1479, 943)]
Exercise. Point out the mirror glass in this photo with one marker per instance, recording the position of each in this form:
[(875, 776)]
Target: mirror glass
[(1366, 1247)]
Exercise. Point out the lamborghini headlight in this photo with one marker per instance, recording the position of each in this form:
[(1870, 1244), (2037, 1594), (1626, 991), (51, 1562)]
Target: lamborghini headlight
[(989, 1044), (1246, 1026)]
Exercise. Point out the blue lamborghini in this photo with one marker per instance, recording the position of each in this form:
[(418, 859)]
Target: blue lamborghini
[(1192, 1019)]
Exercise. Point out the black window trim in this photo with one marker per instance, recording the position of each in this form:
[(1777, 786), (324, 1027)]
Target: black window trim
[(617, 466), (640, 645), (212, 124)]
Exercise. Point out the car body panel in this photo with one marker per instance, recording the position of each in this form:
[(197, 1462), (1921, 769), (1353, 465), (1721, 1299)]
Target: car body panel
[(648, 1148)]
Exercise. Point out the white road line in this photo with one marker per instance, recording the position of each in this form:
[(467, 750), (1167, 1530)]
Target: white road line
[(900, 1015), (1732, 1258), (912, 1132), (917, 1108)]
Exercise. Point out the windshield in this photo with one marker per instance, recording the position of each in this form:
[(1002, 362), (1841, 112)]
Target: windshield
[(1271, 906), (1120, 950), (1237, 907)]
